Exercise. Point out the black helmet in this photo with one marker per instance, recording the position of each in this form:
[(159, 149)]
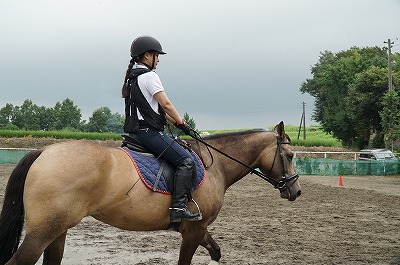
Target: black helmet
[(143, 44)]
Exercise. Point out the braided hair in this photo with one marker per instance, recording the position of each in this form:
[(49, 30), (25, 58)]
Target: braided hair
[(125, 92), (136, 59)]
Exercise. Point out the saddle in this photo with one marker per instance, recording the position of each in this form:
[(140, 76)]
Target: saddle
[(157, 173)]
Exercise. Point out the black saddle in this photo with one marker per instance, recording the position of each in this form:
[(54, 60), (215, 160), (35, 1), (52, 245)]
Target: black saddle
[(134, 145)]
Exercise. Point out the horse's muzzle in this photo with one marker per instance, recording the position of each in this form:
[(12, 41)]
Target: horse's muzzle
[(292, 190)]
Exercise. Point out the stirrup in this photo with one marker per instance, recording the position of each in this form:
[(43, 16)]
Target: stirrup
[(198, 218), (198, 210)]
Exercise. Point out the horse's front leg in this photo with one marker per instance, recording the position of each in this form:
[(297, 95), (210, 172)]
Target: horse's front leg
[(212, 247), (192, 235)]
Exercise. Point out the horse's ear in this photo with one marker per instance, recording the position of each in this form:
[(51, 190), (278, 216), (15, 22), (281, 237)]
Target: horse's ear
[(280, 130)]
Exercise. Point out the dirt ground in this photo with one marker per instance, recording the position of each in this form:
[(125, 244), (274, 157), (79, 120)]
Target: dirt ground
[(358, 223)]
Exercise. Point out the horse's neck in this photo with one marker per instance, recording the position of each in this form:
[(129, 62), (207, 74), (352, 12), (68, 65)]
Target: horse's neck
[(246, 149)]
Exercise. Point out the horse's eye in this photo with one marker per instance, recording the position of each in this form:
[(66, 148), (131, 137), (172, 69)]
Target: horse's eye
[(290, 156)]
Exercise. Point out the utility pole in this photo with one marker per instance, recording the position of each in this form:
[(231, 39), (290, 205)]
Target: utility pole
[(303, 121), (390, 45)]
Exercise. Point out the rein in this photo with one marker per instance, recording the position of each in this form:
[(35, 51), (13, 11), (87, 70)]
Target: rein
[(282, 184)]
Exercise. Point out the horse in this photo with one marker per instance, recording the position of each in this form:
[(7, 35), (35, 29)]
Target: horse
[(54, 188)]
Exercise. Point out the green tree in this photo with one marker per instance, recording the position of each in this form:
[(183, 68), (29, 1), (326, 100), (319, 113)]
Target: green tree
[(66, 114), (190, 121), (390, 116), (115, 123), (98, 120), (332, 77), (26, 116), (364, 102), (6, 115), (47, 118)]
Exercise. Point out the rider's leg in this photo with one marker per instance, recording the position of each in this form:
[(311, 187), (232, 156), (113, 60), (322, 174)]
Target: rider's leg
[(172, 151), (182, 186)]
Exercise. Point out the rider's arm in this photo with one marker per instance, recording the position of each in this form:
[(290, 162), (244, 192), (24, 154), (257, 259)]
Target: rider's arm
[(169, 108)]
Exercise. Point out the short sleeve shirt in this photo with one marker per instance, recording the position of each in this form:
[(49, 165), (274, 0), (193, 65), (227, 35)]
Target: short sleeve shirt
[(149, 84)]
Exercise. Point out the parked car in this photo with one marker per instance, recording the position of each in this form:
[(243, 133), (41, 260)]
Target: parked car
[(377, 154)]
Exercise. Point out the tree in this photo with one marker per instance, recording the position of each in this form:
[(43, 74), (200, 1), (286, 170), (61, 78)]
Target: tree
[(27, 116), (6, 115), (364, 102), (66, 115), (190, 121), (47, 118), (98, 120), (333, 76), (115, 123), (390, 116)]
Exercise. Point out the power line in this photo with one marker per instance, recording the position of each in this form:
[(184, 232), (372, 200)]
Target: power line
[(244, 113)]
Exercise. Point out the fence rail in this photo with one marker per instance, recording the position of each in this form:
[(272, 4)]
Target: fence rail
[(306, 163), (12, 155), (342, 163)]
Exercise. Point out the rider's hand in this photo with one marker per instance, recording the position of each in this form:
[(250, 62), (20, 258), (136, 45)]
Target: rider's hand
[(183, 126)]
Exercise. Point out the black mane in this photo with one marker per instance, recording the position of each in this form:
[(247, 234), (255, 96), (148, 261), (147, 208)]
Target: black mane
[(229, 134)]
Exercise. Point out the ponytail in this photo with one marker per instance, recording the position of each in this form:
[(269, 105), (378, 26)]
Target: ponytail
[(125, 91)]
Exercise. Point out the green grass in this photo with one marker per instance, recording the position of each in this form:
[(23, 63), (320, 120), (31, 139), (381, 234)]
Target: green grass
[(314, 138), (60, 135)]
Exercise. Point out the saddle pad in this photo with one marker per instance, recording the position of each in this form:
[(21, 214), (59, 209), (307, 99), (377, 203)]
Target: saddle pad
[(148, 167)]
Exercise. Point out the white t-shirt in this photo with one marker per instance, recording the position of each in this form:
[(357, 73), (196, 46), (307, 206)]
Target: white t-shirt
[(149, 84)]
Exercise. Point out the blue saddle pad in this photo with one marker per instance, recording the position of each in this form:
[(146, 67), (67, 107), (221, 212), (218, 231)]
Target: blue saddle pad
[(148, 168)]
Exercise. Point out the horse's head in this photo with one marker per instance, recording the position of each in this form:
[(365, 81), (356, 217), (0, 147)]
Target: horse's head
[(280, 167)]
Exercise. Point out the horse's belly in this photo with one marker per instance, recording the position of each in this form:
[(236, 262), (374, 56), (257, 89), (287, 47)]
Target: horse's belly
[(140, 210)]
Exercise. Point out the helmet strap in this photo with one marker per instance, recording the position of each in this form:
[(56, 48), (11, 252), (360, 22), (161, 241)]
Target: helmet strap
[(154, 58)]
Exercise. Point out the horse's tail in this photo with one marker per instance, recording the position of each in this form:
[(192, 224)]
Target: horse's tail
[(12, 214)]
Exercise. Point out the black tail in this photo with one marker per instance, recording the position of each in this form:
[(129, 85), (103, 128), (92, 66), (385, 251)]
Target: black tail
[(12, 214)]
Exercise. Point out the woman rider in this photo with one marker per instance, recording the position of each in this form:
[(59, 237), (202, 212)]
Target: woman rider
[(146, 109)]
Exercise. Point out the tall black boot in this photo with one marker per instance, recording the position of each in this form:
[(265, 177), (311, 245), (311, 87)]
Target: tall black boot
[(182, 186)]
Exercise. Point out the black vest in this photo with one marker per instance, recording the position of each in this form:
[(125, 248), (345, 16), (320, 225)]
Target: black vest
[(136, 100)]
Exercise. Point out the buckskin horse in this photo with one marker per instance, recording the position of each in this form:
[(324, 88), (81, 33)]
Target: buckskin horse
[(54, 188)]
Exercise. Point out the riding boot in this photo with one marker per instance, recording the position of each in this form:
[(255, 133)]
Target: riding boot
[(182, 186)]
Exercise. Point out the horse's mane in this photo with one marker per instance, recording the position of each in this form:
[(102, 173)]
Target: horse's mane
[(231, 134)]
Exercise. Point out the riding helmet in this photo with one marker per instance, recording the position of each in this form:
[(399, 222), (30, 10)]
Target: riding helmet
[(144, 44)]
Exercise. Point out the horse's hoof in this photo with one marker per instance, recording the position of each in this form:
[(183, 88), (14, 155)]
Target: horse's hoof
[(213, 262)]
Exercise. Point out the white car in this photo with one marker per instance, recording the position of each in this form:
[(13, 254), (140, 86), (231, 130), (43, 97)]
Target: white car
[(377, 154)]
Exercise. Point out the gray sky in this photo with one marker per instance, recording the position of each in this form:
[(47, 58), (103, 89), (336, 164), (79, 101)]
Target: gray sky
[(230, 64)]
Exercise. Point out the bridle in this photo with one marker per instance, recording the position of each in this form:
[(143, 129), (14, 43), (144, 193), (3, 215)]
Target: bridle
[(286, 181), (282, 185)]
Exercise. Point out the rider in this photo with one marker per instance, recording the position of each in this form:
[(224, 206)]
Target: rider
[(146, 109)]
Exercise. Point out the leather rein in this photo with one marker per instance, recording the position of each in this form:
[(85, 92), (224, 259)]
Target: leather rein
[(283, 184)]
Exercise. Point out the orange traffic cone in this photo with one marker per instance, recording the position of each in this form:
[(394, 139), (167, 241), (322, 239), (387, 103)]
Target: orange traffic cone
[(340, 181)]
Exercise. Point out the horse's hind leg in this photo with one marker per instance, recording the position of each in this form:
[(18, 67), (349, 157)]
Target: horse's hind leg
[(54, 252), (29, 251), (212, 247)]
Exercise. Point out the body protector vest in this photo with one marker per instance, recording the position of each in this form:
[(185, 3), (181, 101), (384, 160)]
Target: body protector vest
[(137, 101)]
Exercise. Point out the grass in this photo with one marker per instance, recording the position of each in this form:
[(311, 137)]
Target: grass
[(60, 135), (315, 136)]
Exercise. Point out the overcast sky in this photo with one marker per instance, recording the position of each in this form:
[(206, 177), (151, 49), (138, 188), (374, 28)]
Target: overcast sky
[(230, 64)]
